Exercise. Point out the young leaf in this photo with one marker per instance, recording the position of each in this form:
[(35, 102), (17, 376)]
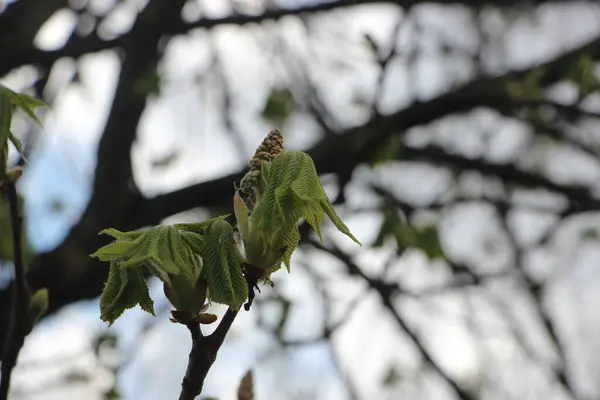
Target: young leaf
[(293, 190), (241, 214), (124, 289), (121, 235), (162, 249), (222, 266), (27, 104), (199, 227)]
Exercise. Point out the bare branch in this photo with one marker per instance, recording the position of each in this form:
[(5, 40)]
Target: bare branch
[(203, 355), (19, 305)]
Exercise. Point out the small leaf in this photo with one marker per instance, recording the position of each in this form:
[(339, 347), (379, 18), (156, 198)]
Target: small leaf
[(241, 214), (199, 227), (222, 266), (121, 235), (115, 251), (124, 289), (27, 104)]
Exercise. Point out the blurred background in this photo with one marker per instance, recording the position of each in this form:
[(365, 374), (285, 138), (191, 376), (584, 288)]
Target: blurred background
[(460, 141)]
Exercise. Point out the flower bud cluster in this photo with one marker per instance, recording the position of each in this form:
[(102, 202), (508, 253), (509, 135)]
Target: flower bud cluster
[(268, 149)]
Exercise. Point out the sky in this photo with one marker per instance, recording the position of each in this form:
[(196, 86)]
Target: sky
[(185, 120)]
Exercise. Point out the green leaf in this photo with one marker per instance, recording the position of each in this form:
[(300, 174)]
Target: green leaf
[(339, 224), (241, 215), (115, 251), (27, 104), (121, 235), (279, 105), (124, 289), (222, 266), (291, 190), (194, 240), (162, 249), (199, 227)]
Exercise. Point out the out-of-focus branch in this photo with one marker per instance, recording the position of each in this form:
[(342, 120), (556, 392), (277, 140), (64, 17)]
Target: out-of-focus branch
[(19, 303), (535, 291), (386, 292)]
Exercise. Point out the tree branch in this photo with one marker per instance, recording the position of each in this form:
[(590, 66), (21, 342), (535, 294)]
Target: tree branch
[(386, 292), (203, 355), (18, 319)]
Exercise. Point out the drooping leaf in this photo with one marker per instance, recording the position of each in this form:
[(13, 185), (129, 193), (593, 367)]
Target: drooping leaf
[(124, 289), (293, 190), (28, 104), (337, 221), (162, 249), (222, 266)]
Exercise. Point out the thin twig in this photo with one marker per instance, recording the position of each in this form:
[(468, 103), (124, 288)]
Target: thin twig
[(203, 355), (18, 320)]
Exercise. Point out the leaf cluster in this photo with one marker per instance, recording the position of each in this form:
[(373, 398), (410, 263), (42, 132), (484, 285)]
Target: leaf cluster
[(199, 262), (289, 191)]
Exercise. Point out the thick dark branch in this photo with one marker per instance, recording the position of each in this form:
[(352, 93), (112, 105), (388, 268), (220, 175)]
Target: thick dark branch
[(354, 146), (26, 54), (508, 173), (203, 355), (19, 307)]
